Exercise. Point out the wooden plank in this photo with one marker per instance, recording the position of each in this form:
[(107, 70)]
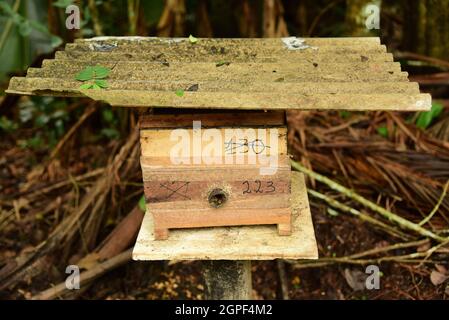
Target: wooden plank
[(166, 221), (263, 100), (221, 142), (235, 243), (155, 170), (242, 192), (230, 119)]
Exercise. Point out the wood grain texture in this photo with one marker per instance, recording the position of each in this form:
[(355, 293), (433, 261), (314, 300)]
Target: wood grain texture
[(230, 119), (181, 196), (221, 142), (235, 243)]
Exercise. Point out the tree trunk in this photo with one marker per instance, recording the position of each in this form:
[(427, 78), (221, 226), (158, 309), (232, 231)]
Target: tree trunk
[(426, 27)]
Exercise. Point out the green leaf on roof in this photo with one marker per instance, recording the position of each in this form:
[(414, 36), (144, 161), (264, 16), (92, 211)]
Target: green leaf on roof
[(192, 39), (101, 72), (85, 74), (92, 72), (86, 86), (179, 92), (102, 83)]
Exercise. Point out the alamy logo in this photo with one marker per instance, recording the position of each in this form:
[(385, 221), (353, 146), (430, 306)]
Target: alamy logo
[(226, 146)]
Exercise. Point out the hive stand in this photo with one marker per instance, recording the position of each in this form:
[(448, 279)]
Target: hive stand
[(231, 75)]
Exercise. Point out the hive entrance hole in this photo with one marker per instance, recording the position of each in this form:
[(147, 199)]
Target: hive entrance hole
[(217, 198)]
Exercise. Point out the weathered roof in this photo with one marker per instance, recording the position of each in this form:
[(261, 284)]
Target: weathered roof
[(287, 73)]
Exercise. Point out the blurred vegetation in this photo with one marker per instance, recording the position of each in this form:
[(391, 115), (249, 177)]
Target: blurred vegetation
[(32, 30), (68, 168)]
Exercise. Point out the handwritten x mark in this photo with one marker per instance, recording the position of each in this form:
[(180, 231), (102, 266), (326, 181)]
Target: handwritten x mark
[(174, 191)]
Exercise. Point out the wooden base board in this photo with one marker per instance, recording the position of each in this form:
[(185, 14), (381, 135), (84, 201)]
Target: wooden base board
[(235, 243), (168, 220)]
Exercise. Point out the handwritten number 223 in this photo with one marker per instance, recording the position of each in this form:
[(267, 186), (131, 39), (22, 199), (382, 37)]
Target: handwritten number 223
[(257, 186)]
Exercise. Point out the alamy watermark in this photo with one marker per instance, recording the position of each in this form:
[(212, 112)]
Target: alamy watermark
[(72, 282), (373, 280), (372, 13), (226, 146), (73, 21)]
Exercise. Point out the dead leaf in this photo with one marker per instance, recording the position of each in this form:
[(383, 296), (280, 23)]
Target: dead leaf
[(438, 278), (424, 247), (89, 261), (440, 268), (355, 279)]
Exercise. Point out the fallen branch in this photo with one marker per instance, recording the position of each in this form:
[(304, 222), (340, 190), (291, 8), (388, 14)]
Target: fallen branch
[(87, 276), (336, 204), (437, 206), (355, 258), (87, 113), (404, 223), (84, 216)]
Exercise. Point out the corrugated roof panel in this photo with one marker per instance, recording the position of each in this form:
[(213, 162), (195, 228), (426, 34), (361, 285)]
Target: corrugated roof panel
[(287, 73)]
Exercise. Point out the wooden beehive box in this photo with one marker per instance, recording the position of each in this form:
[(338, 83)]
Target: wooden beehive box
[(231, 75), (216, 169)]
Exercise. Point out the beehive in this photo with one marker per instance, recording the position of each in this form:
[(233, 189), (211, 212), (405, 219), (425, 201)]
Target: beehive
[(231, 75), (216, 169)]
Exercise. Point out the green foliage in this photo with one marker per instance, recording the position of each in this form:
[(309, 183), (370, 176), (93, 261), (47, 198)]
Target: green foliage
[(35, 143), (427, 117), (62, 3), (179, 92), (95, 75), (344, 114), (142, 204), (7, 125), (192, 39), (90, 73), (46, 114), (152, 11), (25, 26), (383, 131), (110, 124)]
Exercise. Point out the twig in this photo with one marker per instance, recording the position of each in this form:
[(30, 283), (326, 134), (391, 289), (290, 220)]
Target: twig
[(437, 206), (89, 110), (87, 276), (336, 204), (382, 211), (318, 17), (8, 26), (354, 259), (416, 56)]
